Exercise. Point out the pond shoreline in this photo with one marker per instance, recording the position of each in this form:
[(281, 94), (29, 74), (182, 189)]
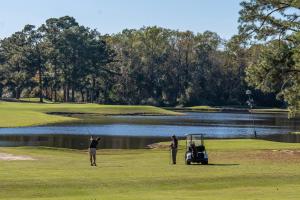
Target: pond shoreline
[(115, 142)]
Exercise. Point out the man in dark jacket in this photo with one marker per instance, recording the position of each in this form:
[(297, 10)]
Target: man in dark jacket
[(93, 149), (173, 147)]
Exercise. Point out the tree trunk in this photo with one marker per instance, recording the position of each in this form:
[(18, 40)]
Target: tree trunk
[(18, 93), (51, 93), (82, 95), (55, 95), (55, 83), (93, 90), (91, 95), (73, 94), (68, 93), (87, 95), (40, 84), (65, 93)]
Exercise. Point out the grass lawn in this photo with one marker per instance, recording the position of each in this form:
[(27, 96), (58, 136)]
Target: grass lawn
[(269, 110), (204, 108), (240, 169), (15, 114), (35, 100), (296, 133), (219, 109)]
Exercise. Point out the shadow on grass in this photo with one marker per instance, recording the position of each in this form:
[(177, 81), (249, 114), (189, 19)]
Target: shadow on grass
[(216, 164), (108, 166)]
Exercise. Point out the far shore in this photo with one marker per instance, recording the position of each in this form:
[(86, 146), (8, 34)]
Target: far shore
[(17, 114), (227, 109), (24, 114)]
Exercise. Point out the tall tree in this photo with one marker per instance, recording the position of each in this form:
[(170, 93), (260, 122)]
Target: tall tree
[(267, 20), (17, 53)]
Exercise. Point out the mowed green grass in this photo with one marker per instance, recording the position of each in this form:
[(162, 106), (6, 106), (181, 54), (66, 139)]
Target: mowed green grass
[(239, 169), (15, 114), (215, 109), (296, 133), (204, 108), (269, 110)]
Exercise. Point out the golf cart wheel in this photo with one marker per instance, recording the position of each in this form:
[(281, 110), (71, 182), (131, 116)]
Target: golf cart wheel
[(187, 162)]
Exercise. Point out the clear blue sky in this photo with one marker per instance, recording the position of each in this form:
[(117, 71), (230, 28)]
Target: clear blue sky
[(112, 16)]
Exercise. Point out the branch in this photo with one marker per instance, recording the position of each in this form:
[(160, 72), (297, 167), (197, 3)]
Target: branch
[(266, 17), (288, 5), (292, 70), (110, 72)]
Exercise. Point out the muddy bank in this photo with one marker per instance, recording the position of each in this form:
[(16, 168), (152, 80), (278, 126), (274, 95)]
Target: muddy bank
[(291, 138), (79, 141)]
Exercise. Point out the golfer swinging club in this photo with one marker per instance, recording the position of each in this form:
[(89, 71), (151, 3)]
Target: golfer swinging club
[(173, 148), (93, 149)]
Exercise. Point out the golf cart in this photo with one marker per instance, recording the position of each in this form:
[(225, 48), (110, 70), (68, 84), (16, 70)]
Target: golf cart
[(195, 149)]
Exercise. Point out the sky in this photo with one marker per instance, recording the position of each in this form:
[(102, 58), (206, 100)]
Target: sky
[(112, 16)]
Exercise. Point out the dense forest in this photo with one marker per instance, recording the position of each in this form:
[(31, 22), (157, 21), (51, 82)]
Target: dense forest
[(64, 61)]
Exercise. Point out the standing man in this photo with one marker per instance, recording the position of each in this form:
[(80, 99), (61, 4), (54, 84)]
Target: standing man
[(93, 149), (173, 147)]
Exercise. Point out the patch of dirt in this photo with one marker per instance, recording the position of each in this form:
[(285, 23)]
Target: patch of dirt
[(273, 155), (6, 156), (283, 155), (158, 146)]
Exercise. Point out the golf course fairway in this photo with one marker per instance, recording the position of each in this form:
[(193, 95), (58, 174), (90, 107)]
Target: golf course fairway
[(238, 169), (16, 114)]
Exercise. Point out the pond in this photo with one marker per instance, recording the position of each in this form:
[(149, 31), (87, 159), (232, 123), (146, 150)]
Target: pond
[(137, 131)]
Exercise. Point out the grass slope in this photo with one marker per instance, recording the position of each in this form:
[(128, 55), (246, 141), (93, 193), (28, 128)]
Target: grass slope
[(14, 114), (241, 169), (269, 110), (296, 133), (35, 100), (204, 108)]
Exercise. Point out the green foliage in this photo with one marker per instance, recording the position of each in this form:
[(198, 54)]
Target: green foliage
[(276, 68), (165, 67), (64, 61), (59, 55), (16, 67), (265, 19)]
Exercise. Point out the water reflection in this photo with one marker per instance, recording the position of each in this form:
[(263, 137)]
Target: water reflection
[(79, 142), (138, 131), (148, 130)]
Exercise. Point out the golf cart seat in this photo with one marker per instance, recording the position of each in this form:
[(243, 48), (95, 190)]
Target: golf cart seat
[(200, 148)]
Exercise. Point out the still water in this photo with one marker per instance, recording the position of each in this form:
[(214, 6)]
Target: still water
[(137, 131)]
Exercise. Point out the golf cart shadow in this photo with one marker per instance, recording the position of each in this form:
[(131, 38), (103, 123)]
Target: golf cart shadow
[(217, 165), (223, 164)]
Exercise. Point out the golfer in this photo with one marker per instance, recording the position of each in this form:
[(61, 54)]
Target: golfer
[(93, 149), (173, 147)]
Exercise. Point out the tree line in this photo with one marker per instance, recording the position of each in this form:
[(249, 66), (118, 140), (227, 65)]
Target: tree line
[(64, 61), (54, 61)]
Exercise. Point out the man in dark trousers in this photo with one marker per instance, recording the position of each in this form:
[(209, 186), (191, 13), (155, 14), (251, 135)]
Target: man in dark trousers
[(174, 146), (93, 149)]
